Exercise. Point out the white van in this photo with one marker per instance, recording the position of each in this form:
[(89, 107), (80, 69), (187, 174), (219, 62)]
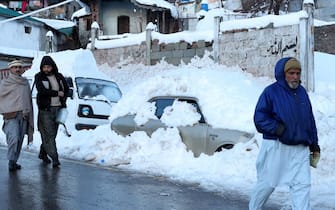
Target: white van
[(92, 93)]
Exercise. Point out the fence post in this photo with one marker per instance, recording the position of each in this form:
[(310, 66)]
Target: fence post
[(49, 44), (307, 47), (303, 39), (309, 7), (216, 43), (94, 34), (148, 46)]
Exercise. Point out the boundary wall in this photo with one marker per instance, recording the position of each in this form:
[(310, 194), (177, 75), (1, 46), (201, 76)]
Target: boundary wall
[(253, 50), (257, 51), (173, 53)]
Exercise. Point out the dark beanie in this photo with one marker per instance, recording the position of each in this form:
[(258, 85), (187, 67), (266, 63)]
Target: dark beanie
[(292, 64), (47, 60)]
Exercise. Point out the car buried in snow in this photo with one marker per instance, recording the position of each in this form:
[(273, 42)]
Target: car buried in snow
[(199, 137)]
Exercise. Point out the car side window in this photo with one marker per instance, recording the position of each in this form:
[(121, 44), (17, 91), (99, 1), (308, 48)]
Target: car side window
[(162, 103), (196, 105)]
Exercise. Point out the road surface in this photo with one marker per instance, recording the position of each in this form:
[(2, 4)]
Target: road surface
[(77, 185)]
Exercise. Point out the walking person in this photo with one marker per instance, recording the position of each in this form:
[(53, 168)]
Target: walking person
[(17, 110), (284, 116), (52, 91)]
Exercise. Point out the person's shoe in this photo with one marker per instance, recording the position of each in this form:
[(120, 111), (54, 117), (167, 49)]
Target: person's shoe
[(56, 164), (18, 166), (41, 156), (45, 159), (13, 166)]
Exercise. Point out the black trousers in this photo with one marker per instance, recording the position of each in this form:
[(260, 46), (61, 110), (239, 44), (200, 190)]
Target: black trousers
[(48, 128)]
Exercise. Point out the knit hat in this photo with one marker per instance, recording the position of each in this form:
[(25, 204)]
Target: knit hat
[(15, 63), (292, 64)]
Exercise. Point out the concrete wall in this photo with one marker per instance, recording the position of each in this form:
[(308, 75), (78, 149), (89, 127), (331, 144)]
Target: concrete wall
[(253, 50), (112, 56), (257, 51), (324, 37), (175, 53)]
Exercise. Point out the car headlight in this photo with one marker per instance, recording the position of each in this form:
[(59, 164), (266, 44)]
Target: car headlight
[(85, 110)]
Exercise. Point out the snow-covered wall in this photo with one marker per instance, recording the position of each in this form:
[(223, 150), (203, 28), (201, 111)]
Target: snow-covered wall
[(324, 37), (22, 35), (173, 53), (256, 51), (121, 55)]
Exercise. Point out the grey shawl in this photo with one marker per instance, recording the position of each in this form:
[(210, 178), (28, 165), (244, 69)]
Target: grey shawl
[(15, 95)]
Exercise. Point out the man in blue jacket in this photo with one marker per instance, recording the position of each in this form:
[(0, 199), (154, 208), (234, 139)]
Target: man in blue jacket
[(284, 116)]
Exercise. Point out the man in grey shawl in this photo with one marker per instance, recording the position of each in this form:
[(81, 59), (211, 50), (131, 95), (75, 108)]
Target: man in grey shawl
[(17, 110)]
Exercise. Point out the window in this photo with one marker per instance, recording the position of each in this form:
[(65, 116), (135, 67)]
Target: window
[(27, 29), (123, 24), (162, 103), (88, 24), (92, 88)]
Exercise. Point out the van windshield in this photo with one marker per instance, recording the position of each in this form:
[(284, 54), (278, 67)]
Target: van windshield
[(90, 88)]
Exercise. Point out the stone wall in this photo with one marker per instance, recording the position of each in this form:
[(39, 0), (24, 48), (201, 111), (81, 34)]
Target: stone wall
[(324, 37), (174, 53), (253, 50), (257, 51), (129, 54)]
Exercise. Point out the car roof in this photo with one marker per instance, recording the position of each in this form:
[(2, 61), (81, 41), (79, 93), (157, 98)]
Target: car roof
[(174, 97)]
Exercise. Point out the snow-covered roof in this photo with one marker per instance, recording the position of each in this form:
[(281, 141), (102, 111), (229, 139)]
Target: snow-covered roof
[(20, 52), (160, 4), (65, 27), (80, 13), (57, 24), (84, 11)]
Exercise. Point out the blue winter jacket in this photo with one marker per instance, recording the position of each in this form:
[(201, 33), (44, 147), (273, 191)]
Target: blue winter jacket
[(284, 113)]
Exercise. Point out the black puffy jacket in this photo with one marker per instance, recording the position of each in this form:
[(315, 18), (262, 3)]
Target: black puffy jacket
[(44, 94)]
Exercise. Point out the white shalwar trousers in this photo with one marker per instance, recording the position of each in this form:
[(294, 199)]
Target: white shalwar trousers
[(280, 164)]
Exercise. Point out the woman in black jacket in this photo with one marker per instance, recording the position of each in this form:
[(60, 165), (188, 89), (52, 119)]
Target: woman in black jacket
[(52, 91)]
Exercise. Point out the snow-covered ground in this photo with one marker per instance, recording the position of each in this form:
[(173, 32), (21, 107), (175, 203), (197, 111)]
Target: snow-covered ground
[(227, 97)]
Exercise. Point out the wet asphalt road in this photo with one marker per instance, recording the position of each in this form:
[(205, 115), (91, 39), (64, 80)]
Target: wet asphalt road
[(84, 186)]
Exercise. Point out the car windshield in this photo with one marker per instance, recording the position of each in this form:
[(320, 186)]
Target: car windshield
[(162, 103), (89, 88)]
